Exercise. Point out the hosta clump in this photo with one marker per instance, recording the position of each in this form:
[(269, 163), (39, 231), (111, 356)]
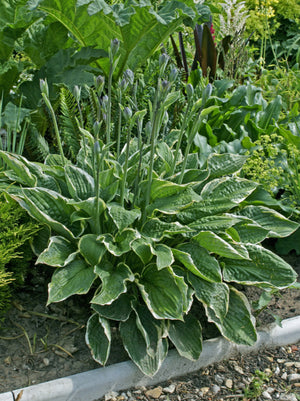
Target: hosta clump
[(197, 242), (156, 241)]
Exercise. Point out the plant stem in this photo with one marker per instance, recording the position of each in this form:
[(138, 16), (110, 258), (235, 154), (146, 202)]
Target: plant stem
[(49, 105), (125, 166), (108, 117)]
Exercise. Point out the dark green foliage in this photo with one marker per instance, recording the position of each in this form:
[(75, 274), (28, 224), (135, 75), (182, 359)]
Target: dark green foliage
[(69, 126), (15, 254)]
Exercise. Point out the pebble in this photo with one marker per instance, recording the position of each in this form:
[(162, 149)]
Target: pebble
[(154, 393), (277, 371), (46, 361), (297, 365), (228, 383), (170, 389), (238, 369), (266, 395), (294, 377), (281, 360), (204, 390), (219, 379), (216, 389), (284, 376), (111, 395), (288, 397)]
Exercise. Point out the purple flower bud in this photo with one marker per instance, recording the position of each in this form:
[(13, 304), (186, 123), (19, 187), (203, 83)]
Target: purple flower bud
[(44, 87), (189, 90), (97, 148), (77, 92), (129, 76), (173, 74), (114, 46), (127, 112)]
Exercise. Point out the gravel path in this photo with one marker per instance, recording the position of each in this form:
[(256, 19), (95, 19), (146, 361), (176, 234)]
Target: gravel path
[(272, 374)]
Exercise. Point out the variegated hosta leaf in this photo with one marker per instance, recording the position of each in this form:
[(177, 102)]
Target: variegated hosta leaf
[(163, 189), (151, 329), (59, 252), (121, 217), (213, 295), (142, 247), (214, 243), (51, 208), (237, 325), (21, 171), (203, 208), (198, 260), (80, 184), (91, 249), (114, 282), (75, 278), (216, 224), (265, 267), (119, 309), (274, 222), (224, 164), (187, 337), (232, 189), (121, 243), (173, 204), (251, 232), (88, 206), (98, 338), (157, 229), (164, 292), (164, 256), (136, 347)]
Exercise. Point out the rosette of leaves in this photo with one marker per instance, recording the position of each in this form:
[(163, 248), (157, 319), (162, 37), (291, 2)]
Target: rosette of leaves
[(146, 267)]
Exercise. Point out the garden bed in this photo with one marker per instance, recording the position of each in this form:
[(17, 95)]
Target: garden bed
[(39, 343)]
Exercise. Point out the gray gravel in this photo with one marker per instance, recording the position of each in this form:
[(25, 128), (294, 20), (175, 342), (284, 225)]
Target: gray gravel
[(272, 374)]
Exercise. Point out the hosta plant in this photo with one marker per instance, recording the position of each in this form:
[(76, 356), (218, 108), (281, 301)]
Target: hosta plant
[(159, 244)]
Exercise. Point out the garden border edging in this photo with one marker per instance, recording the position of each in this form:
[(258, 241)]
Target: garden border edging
[(88, 386)]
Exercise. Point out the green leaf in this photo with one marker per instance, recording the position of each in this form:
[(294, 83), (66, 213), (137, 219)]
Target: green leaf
[(215, 223), (164, 256), (51, 208), (75, 278), (163, 189), (163, 292), (173, 204), (224, 164), (198, 260), (230, 188), (121, 243), (265, 267), (203, 208), (272, 112), (98, 338), (251, 232), (88, 206), (274, 222), (157, 229), (114, 282), (187, 337), (91, 249), (151, 329), (214, 243), (122, 218), (80, 184), (136, 347), (142, 247), (59, 252), (24, 176), (119, 310), (213, 295), (237, 325)]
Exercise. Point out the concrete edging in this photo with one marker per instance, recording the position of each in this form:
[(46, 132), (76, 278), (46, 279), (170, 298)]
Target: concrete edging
[(89, 386)]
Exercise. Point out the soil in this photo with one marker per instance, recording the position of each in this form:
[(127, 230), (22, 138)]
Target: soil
[(39, 343)]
